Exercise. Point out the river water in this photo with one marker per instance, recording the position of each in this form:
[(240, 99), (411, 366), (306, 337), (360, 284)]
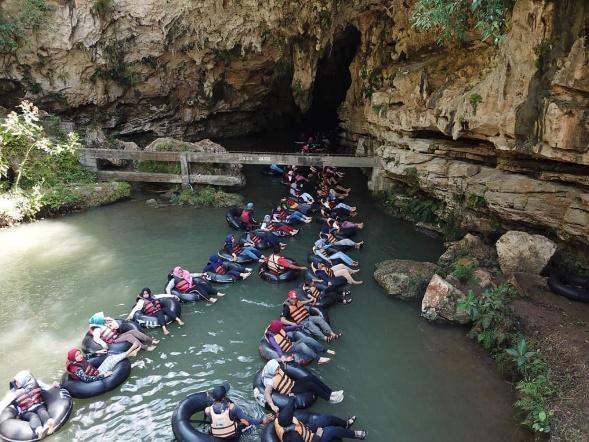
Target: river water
[(406, 379)]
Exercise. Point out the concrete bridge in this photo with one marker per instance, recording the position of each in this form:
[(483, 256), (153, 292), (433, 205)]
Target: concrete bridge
[(90, 157)]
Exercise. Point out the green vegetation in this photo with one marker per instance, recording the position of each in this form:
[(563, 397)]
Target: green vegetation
[(474, 100), (494, 327), (103, 8), (205, 196), (25, 16), (463, 271), (116, 68), (40, 169), (454, 19)]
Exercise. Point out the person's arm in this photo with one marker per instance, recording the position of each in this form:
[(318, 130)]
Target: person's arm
[(87, 378), (165, 295), (285, 314), (236, 413), (98, 339), (170, 286), (196, 275), (138, 306), (268, 396), (275, 345), (290, 328)]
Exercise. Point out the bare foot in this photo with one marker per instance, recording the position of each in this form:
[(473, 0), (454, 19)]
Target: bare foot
[(330, 352), (166, 331), (134, 353), (155, 341), (220, 295), (179, 321), (213, 300), (151, 348), (322, 361)]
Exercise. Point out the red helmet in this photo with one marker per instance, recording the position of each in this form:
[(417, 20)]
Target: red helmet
[(292, 294)]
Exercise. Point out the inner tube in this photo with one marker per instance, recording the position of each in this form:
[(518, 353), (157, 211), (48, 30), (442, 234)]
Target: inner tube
[(311, 255), (151, 321), (232, 218), (89, 345), (302, 400), (261, 245), (284, 276), (574, 288), (223, 279), (79, 389), (240, 258), (269, 434), (59, 406), (194, 295)]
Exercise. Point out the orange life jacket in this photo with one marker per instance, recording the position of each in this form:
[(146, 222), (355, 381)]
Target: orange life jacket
[(298, 312), (282, 383), (281, 339), (297, 426)]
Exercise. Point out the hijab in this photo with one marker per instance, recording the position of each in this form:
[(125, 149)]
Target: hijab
[(184, 274), (275, 326), (97, 319)]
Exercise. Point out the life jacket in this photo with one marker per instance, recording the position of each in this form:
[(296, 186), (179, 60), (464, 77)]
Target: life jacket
[(255, 238), (150, 308), (328, 271), (222, 425), (292, 204), (296, 426), (272, 264), (106, 334), (182, 285), (281, 339), (220, 269), (314, 293), (88, 369), (331, 239), (298, 312), (281, 214), (26, 400), (281, 382), (233, 248)]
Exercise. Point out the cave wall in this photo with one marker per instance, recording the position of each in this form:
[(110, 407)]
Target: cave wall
[(506, 125)]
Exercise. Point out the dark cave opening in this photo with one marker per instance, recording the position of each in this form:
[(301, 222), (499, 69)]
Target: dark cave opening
[(332, 81)]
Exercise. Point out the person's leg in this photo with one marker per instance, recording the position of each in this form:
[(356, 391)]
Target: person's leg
[(313, 329), (304, 350), (33, 419), (168, 312), (322, 324), (344, 267), (345, 258), (313, 384), (345, 242), (249, 252), (110, 362), (131, 339), (315, 421), (309, 341), (333, 433), (233, 266), (43, 414), (344, 206)]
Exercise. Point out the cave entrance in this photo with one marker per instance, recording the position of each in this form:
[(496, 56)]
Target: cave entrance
[(332, 81)]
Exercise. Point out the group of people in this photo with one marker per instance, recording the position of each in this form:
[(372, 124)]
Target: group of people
[(300, 336)]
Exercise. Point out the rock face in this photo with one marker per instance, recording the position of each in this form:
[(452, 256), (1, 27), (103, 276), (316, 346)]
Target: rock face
[(522, 252), (404, 278), (440, 302), (499, 134)]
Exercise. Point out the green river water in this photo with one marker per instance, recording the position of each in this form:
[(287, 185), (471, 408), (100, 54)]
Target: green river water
[(406, 379)]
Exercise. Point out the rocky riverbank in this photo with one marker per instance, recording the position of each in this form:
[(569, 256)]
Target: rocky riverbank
[(539, 340)]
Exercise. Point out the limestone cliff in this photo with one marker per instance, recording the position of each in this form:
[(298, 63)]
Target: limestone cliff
[(505, 128)]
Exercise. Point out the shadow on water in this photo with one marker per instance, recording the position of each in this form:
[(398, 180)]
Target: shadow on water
[(406, 379)]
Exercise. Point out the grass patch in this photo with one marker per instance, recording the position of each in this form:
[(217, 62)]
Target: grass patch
[(205, 196), (463, 271)]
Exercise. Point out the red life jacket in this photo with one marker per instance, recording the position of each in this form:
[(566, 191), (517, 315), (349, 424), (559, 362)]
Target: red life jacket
[(85, 366), (106, 334), (181, 284), (25, 400), (151, 307), (220, 270), (255, 238), (236, 249)]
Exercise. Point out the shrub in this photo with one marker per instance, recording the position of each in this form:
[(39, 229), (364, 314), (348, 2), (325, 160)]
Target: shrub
[(474, 100), (463, 271), (453, 19), (205, 196), (103, 8), (29, 15), (534, 402), (520, 354)]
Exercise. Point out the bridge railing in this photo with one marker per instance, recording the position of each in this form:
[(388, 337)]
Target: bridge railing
[(90, 157)]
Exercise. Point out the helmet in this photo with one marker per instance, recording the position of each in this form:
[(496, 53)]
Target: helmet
[(292, 294), (249, 206)]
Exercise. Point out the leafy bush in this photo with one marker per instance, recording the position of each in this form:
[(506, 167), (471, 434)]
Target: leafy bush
[(463, 271), (453, 19), (205, 196), (474, 100), (115, 67), (520, 354), (103, 8), (533, 403), (27, 16)]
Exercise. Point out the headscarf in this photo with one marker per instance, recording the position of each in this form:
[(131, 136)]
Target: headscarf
[(275, 326), (269, 370), (229, 239), (24, 379), (97, 318), (249, 206), (267, 218), (71, 359), (184, 274)]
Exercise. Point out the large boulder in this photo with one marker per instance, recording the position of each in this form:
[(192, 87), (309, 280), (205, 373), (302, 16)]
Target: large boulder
[(521, 252), (470, 246), (441, 302), (404, 278)]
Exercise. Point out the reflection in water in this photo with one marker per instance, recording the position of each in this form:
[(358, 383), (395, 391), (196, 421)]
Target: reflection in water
[(406, 379)]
